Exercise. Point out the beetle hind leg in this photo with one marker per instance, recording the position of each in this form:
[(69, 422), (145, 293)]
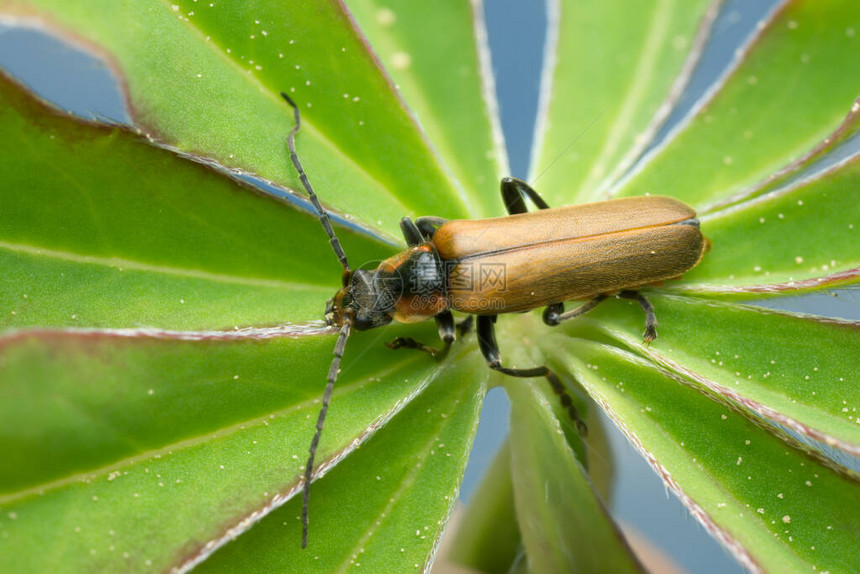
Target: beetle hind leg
[(490, 350), (555, 314), (650, 332)]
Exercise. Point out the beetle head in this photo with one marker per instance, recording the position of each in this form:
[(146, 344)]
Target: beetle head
[(367, 301)]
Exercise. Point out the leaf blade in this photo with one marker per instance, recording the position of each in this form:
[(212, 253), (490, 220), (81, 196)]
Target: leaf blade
[(140, 424), (764, 245), (113, 232), (766, 113), (219, 97), (398, 492), (564, 526), (585, 133), (788, 368), (432, 74), (746, 486)]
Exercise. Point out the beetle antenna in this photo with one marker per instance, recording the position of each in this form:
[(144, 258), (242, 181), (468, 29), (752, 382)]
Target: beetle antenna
[(323, 216), (333, 371)]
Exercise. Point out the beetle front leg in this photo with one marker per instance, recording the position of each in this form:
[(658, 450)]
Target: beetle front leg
[(447, 332), (421, 230), (410, 343), (411, 233), (428, 225), (490, 350), (650, 318)]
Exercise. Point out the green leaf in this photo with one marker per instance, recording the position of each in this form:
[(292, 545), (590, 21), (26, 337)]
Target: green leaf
[(384, 508), (797, 172), (775, 507), (447, 83), (113, 232), (615, 75), (132, 237), (97, 447), (797, 238), (564, 526), (487, 538), (768, 111), (218, 96), (798, 371)]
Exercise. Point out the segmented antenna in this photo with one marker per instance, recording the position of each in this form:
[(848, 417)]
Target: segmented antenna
[(323, 216), (332, 377), (339, 347)]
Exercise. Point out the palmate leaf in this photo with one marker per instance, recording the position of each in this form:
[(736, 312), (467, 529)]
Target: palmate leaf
[(614, 73), (220, 69), (768, 111), (96, 235), (777, 508), (732, 158), (447, 85), (187, 277), (164, 287)]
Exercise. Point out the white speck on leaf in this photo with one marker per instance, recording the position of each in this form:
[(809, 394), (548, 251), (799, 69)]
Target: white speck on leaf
[(401, 60)]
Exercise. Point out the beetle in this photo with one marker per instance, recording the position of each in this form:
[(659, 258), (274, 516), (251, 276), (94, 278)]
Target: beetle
[(517, 263)]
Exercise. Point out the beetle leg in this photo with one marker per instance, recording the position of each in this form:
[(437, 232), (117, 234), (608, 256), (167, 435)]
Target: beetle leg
[(428, 225), (650, 318), (465, 325), (512, 195), (447, 332), (410, 343), (490, 350), (411, 232), (554, 314)]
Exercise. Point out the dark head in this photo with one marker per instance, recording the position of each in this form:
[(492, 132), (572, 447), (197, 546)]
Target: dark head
[(365, 300)]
